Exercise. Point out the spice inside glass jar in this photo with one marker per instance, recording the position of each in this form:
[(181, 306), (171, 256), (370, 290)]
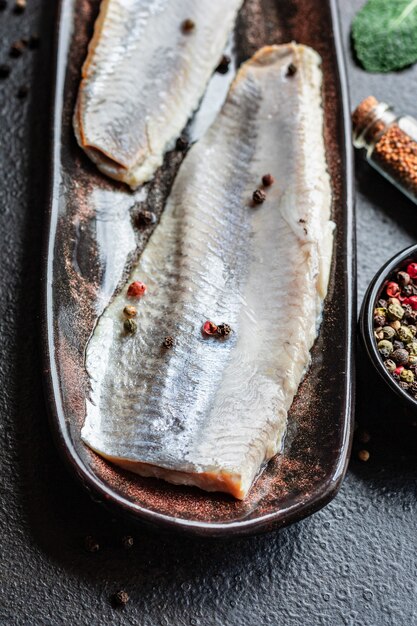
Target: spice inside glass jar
[(390, 142)]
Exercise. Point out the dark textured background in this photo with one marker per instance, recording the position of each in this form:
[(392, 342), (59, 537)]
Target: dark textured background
[(354, 562)]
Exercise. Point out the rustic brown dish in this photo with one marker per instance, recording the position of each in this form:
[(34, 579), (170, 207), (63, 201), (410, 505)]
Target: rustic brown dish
[(82, 271)]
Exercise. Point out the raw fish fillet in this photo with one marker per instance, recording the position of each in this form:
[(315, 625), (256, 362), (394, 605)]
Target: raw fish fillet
[(143, 78), (211, 412)]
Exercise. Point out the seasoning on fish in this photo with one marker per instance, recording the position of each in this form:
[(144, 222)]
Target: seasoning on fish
[(223, 330), (143, 78), (130, 326), (291, 70), (181, 144), (258, 196), (168, 342), (267, 180), (209, 328), (212, 413), (130, 311), (223, 66), (137, 289), (187, 26)]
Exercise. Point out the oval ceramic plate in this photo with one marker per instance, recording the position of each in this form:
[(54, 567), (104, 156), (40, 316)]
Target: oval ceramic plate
[(91, 243)]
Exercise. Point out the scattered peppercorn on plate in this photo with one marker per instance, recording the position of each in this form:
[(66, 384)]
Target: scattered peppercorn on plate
[(198, 326)]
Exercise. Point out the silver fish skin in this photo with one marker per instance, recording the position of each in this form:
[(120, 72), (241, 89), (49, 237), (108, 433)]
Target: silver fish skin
[(143, 78), (212, 412)]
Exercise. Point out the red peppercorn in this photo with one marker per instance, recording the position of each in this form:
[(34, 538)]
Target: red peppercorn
[(412, 270), (398, 369), (209, 328), (392, 290), (136, 289), (412, 301)]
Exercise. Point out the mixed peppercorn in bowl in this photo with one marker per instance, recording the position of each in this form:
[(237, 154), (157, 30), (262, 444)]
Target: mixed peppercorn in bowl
[(388, 323)]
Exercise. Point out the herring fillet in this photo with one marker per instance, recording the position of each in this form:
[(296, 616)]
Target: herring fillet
[(210, 413), (143, 78)]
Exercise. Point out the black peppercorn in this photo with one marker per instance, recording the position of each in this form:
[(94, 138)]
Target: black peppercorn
[(130, 326), (400, 356), (168, 342), (145, 218), (223, 330), (379, 320), (181, 144), (291, 70), (403, 278), (223, 66), (259, 196), (187, 26), (121, 598)]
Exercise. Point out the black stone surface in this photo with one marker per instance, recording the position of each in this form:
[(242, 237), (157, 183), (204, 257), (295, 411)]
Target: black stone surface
[(354, 562)]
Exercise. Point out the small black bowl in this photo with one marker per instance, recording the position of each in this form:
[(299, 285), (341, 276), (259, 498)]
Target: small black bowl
[(395, 264)]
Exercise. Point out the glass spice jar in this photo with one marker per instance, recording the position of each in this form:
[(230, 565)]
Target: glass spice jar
[(390, 142)]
